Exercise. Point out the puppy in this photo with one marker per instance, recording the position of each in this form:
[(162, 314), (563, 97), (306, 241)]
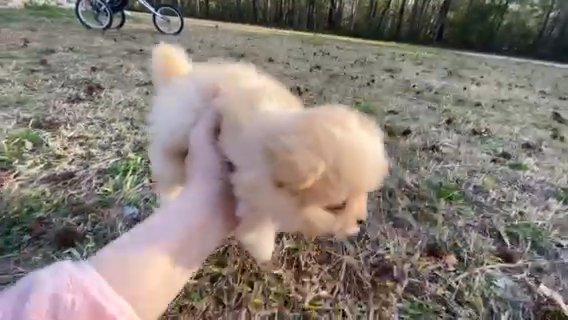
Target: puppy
[(182, 90), (295, 169)]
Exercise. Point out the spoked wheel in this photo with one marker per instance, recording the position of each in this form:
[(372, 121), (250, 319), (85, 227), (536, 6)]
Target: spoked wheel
[(171, 20), (118, 20), (117, 7), (93, 14)]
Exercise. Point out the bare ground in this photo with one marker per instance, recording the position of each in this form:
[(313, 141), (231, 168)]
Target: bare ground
[(472, 222)]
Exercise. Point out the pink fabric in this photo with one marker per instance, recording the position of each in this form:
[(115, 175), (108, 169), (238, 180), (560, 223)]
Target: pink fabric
[(64, 290)]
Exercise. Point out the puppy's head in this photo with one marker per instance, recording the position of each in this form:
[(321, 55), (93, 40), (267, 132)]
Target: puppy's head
[(168, 62), (328, 159)]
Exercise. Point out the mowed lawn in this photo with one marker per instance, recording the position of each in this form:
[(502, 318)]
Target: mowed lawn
[(472, 222)]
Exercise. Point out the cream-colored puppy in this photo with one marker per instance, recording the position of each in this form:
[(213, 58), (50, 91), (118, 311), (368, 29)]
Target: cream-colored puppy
[(295, 169)]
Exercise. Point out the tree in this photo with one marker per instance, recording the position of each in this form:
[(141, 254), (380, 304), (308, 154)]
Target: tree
[(354, 6), (413, 22), (536, 28), (400, 19), (383, 15), (441, 21), (545, 22), (254, 11)]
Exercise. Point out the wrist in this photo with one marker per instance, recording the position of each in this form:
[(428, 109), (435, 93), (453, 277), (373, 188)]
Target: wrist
[(198, 226)]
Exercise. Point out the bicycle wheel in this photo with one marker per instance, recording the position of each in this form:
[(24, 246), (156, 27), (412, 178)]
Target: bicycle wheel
[(93, 14), (118, 20), (171, 20)]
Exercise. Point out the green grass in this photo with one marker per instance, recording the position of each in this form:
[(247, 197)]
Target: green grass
[(527, 233), (126, 177), (562, 195), (20, 210), (35, 14), (366, 108), (518, 166), (452, 218), (449, 193)]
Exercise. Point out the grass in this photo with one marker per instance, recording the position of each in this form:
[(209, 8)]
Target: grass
[(470, 221)]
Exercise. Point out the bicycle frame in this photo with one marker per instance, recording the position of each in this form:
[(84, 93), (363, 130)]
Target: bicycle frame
[(151, 8)]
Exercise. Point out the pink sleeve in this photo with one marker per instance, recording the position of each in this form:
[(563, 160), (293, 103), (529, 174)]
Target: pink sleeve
[(61, 291)]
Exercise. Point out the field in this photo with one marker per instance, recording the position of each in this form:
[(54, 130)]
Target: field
[(472, 222)]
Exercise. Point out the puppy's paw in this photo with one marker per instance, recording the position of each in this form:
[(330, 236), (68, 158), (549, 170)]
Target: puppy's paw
[(257, 234), (260, 251)]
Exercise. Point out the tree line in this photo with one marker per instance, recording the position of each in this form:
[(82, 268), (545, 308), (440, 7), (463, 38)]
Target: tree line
[(531, 28)]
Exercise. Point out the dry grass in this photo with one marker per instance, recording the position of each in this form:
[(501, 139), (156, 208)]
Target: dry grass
[(472, 220)]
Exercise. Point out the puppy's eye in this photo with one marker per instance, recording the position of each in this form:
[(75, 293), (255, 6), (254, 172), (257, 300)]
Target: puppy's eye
[(337, 207)]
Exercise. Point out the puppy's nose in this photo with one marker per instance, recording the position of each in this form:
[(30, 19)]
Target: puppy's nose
[(360, 222)]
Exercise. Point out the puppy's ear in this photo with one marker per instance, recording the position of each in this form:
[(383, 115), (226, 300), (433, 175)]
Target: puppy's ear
[(294, 166), (169, 61)]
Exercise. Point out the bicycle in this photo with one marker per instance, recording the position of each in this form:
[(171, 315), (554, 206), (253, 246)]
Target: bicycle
[(113, 11)]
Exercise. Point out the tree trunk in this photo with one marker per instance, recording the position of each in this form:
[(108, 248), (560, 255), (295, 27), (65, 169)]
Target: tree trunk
[(278, 12), (561, 29), (311, 15), (207, 8), (255, 11), (339, 18), (420, 20), (331, 15), (400, 19), (412, 23), (285, 13), (372, 9), (544, 25), (239, 12), (266, 15), (504, 7), (296, 11), (290, 13), (355, 4), (469, 5), (441, 21), (502, 12), (383, 15), (197, 11)]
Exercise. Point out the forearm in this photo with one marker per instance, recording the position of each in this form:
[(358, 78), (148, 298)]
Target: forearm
[(150, 264)]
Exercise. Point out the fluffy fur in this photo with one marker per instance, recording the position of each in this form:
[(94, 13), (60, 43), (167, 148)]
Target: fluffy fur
[(296, 169)]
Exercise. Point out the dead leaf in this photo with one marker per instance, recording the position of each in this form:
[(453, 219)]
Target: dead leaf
[(38, 227), (93, 89), (554, 296), (508, 255), (558, 118), (450, 261), (435, 250), (67, 237), (406, 132)]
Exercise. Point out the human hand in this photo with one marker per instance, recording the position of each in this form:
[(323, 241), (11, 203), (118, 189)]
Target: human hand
[(151, 263), (207, 172)]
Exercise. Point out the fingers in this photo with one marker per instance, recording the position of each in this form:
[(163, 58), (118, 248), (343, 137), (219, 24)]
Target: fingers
[(206, 167), (205, 159), (204, 134)]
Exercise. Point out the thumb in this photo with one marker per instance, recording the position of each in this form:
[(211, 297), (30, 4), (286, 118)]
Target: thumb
[(204, 133), (203, 144)]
